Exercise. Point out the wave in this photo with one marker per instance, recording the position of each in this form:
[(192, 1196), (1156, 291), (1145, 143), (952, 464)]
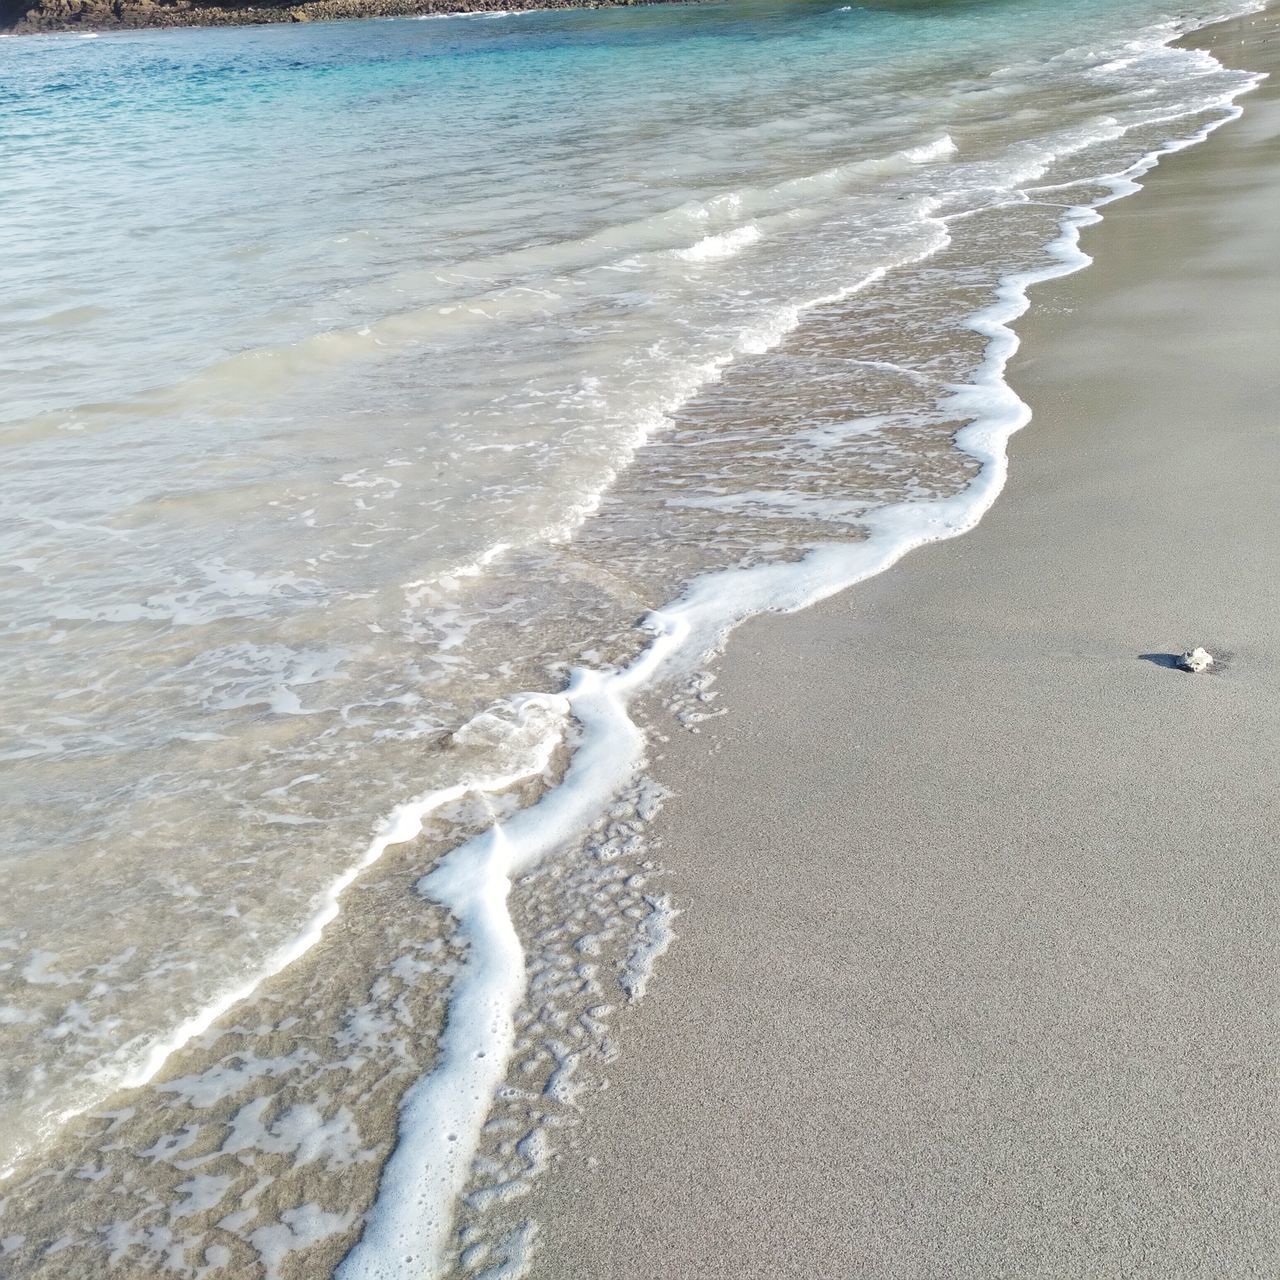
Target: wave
[(724, 245), (935, 150), (526, 283)]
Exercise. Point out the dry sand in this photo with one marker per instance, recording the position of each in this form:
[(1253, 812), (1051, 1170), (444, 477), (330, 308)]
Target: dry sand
[(977, 971)]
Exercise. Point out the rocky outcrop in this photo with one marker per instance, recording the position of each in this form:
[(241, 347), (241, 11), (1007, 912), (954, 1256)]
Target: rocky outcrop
[(114, 15)]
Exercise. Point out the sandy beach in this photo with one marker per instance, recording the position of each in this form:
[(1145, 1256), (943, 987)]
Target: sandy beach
[(394, 416), (976, 967)]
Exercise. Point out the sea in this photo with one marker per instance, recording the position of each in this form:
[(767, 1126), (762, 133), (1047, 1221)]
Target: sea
[(395, 418)]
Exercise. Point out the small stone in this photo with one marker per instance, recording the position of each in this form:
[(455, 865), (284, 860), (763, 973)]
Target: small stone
[(1196, 661)]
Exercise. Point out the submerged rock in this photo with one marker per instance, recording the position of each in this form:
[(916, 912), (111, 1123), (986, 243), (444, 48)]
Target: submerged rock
[(1196, 660)]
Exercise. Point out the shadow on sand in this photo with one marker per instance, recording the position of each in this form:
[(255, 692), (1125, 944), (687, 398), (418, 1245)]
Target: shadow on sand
[(1169, 660), (1173, 661)]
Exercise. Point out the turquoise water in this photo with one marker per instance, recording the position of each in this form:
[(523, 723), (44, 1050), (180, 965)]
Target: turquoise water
[(357, 380)]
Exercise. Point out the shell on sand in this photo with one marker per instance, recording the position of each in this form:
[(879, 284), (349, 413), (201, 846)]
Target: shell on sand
[(1196, 660)]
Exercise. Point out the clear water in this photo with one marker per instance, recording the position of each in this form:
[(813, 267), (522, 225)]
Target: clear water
[(355, 379)]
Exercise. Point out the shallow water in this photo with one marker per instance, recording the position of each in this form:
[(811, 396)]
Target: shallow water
[(360, 378)]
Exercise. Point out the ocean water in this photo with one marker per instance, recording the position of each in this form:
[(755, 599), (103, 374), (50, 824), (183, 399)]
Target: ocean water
[(386, 410)]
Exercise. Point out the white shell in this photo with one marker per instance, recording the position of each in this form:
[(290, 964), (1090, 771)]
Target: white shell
[(1196, 660)]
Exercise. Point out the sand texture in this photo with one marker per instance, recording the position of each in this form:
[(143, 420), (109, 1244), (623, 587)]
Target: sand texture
[(976, 972)]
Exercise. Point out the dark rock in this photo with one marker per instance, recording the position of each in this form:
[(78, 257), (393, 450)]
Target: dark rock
[(29, 16)]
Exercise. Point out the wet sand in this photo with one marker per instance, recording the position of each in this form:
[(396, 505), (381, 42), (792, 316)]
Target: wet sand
[(976, 972)]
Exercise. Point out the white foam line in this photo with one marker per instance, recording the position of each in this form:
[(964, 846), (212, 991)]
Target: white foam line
[(404, 822), (441, 1116)]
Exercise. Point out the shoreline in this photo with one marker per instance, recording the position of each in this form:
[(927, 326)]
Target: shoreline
[(477, 876), (737, 780), (60, 17)]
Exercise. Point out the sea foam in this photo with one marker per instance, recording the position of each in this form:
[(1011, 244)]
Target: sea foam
[(724, 245)]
